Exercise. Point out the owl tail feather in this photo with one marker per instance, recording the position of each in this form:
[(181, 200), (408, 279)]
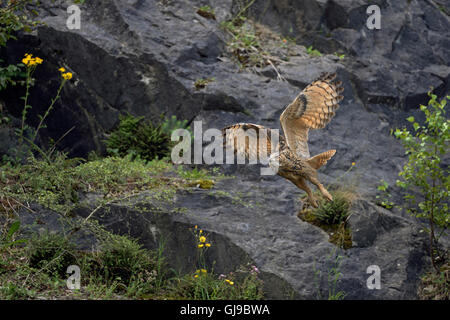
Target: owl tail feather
[(319, 160)]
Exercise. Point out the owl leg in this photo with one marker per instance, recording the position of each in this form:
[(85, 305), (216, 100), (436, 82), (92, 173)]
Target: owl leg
[(301, 183), (321, 188)]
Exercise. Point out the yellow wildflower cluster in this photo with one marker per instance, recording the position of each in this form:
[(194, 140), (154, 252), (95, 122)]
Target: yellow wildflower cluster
[(29, 61), (200, 272), (201, 238), (64, 74)]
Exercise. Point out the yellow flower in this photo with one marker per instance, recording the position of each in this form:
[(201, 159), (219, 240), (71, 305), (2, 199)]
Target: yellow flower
[(201, 231), (62, 70), (29, 61), (200, 245), (353, 163), (195, 227), (229, 281), (204, 270), (67, 76), (202, 239), (208, 245), (196, 276), (28, 58)]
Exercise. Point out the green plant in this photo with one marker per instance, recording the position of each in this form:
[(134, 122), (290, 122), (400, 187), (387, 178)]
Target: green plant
[(202, 83), (424, 177), (51, 253), (25, 132), (313, 52), (172, 123), (340, 56), (138, 137), (333, 212), (122, 259), (435, 285), (12, 291), (333, 275), (10, 74), (13, 18), (332, 216), (245, 44), (6, 240), (206, 12), (384, 198)]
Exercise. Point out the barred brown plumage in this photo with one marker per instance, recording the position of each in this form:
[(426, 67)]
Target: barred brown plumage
[(313, 108)]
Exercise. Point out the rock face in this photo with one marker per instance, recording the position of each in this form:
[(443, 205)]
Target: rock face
[(144, 56)]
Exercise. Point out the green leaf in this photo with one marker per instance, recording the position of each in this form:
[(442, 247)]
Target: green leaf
[(13, 229)]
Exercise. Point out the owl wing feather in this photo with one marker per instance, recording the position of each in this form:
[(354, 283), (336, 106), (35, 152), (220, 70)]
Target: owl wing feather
[(244, 138), (313, 108)]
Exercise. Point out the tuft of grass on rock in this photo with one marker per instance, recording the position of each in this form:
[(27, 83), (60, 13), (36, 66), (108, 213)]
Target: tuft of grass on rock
[(50, 253), (334, 212), (138, 137), (122, 258), (202, 83), (206, 12), (332, 217)]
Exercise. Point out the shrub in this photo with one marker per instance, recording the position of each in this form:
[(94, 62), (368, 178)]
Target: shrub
[(52, 253), (424, 177), (122, 258), (138, 137), (172, 123)]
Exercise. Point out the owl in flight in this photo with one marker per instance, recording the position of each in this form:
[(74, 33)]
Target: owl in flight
[(313, 108)]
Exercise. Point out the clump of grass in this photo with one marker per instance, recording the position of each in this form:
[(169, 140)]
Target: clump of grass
[(244, 43), (332, 217), (51, 253), (138, 137), (206, 12), (122, 259), (435, 285), (313, 52), (334, 212), (202, 83)]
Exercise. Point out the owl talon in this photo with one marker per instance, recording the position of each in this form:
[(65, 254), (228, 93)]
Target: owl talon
[(313, 202), (328, 197)]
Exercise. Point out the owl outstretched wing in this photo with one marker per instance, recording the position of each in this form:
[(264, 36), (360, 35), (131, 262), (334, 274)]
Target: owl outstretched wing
[(313, 108), (252, 141)]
